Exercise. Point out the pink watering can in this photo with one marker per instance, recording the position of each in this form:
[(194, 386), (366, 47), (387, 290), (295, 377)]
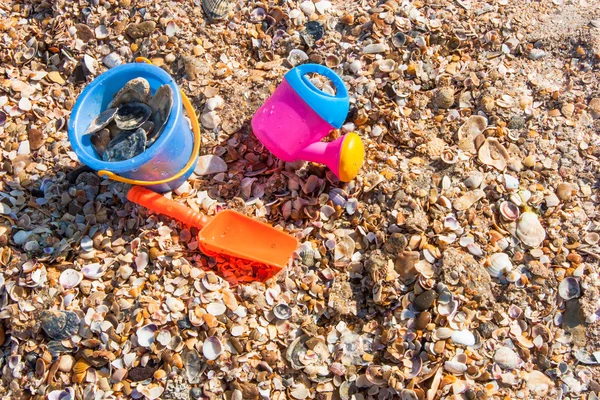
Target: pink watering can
[(292, 122)]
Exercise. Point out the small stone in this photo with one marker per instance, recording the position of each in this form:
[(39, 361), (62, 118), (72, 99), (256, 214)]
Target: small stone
[(552, 200), (425, 300), (529, 161), (516, 122), (395, 244), (169, 58), (55, 77), (142, 29), (594, 107), (564, 191), (210, 120), (536, 54), (214, 103), (474, 180), (423, 319), (140, 373), (210, 164), (307, 7)]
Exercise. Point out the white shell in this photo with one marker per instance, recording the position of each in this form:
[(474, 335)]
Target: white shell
[(70, 278), (145, 335), (463, 337), (569, 288), (163, 337), (216, 309), (387, 65), (212, 286), (443, 333), (297, 57), (506, 358), (93, 271), (499, 264), (212, 348), (529, 230), (67, 394), (455, 367)]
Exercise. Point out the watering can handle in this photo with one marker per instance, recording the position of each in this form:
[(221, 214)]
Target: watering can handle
[(196, 149), (332, 109)]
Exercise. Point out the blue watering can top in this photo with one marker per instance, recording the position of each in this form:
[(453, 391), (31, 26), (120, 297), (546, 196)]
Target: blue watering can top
[(333, 109)]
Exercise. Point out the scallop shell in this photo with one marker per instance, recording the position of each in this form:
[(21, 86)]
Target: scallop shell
[(145, 335), (529, 230), (70, 278), (569, 288), (102, 120), (136, 90), (500, 263), (212, 348), (216, 9), (59, 325), (493, 153), (509, 211), (282, 311)]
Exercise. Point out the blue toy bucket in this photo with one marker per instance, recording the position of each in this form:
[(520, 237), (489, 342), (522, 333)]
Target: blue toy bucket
[(165, 165)]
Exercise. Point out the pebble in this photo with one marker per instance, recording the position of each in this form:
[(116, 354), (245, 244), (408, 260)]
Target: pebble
[(140, 30), (307, 7), (552, 200), (209, 164), (210, 120), (444, 98), (112, 60), (425, 300), (423, 319), (563, 191), (84, 32), (536, 54)]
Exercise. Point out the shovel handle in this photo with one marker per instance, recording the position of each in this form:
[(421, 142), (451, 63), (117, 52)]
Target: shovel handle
[(161, 205)]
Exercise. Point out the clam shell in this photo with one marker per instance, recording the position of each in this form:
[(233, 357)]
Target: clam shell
[(216, 309), (468, 131), (212, 282), (93, 271), (282, 311), (212, 348), (506, 358), (126, 145), (399, 39), (529, 230), (132, 115), (100, 141), (102, 120), (59, 325), (145, 335), (297, 57), (67, 394), (463, 337), (70, 278), (493, 153), (136, 90), (509, 211), (387, 65), (569, 288)]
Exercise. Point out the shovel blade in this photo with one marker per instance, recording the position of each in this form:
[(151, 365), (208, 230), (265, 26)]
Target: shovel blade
[(236, 235)]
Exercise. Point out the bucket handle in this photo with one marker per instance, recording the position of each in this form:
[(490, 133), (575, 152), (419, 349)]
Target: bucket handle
[(195, 151)]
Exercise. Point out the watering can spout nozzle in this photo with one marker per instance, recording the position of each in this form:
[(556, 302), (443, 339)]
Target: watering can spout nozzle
[(344, 156)]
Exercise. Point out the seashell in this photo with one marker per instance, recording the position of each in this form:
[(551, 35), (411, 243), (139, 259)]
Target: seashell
[(101, 32), (100, 141), (282, 311), (216, 309), (132, 115), (59, 325), (102, 120), (399, 39), (126, 145), (297, 57), (449, 156), (450, 222), (443, 333), (161, 105), (513, 276), (468, 199), (455, 367), (212, 348), (444, 97), (299, 391), (70, 278), (408, 394), (463, 337), (331, 60), (493, 153), (569, 288), (216, 9), (594, 107), (164, 337), (93, 271), (500, 263), (212, 282), (136, 90), (506, 358), (67, 394), (387, 65), (539, 383), (514, 312), (374, 374), (307, 7), (193, 365), (172, 29), (509, 211), (151, 393), (529, 230), (591, 238), (510, 182), (145, 335)]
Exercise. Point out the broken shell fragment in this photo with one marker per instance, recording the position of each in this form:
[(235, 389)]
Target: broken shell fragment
[(468, 131), (493, 153)]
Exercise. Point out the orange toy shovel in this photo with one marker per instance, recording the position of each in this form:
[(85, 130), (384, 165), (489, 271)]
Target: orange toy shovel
[(229, 232)]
